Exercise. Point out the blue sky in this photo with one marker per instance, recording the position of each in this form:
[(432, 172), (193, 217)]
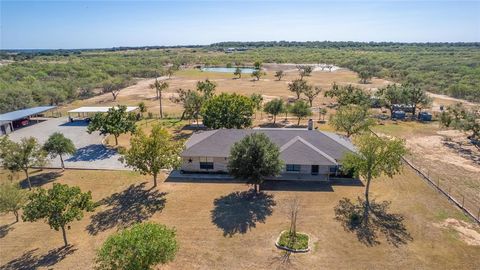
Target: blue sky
[(94, 24)]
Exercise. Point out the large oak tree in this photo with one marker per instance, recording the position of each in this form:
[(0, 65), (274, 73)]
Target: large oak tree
[(228, 111)]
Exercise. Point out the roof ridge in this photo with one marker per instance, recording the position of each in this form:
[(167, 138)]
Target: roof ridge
[(302, 140), (331, 136)]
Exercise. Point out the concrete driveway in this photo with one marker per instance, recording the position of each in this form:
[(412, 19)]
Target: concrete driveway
[(91, 153)]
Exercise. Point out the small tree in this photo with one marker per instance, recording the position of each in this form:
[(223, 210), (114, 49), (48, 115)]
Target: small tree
[(279, 75), (58, 145), (116, 121), (365, 75), (257, 65), (392, 94), (459, 117), (257, 100), (322, 112), (12, 198), (274, 107), (301, 110), (193, 105), (304, 71), (257, 74), (207, 88), (227, 111), (142, 108), (150, 154), (311, 93), (376, 156), (349, 94), (293, 212), (21, 156), (238, 73), (171, 70), (254, 158), (298, 87), (416, 97), (351, 119), (159, 87), (141, 247), (286, 110), (115, 85), (59, 206)]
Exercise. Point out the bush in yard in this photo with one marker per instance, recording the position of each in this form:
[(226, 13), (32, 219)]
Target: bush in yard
[(141, 247)]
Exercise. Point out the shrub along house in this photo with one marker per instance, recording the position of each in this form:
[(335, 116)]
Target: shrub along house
[(308, 154)]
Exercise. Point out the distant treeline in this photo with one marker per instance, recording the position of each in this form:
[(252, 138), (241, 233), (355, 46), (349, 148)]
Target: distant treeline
[(341, 44), (41, 77)]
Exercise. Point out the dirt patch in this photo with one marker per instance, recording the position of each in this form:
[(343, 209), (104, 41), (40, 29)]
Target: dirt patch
[(442, 149), (467, 232)]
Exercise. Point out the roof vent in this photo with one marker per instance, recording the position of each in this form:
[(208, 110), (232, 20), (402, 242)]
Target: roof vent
[(310, 124)]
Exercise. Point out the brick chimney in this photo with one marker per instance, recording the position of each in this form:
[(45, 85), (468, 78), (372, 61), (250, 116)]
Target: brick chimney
[(310, 124)]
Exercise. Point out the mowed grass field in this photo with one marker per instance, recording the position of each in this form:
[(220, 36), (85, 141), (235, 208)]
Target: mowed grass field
[(218, 228)]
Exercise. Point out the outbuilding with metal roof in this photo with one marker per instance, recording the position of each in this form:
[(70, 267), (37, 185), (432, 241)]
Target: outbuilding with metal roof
[(11, 120)]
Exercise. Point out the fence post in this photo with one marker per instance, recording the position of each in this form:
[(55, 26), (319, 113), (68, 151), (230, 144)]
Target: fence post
[(478, 214), (463, 200), (438, 182)]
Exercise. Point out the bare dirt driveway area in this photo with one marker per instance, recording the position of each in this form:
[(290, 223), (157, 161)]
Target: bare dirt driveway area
[(91, 153)]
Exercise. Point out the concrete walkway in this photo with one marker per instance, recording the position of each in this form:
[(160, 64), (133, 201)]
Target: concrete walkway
[(91, 153)]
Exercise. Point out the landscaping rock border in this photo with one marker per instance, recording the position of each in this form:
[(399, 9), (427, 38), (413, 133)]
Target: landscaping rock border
[(290, 249)]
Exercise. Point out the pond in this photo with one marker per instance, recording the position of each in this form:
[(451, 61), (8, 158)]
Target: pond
[(227, 70)]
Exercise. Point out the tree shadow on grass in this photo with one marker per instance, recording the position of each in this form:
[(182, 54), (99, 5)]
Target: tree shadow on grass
[(30, 261), (5, 229), (133, 205), (91, 153), (237, 212), (471, 154), (379, 220), (40, 179)]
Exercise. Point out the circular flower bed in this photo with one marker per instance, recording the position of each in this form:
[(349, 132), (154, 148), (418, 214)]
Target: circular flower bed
[(300, 244)]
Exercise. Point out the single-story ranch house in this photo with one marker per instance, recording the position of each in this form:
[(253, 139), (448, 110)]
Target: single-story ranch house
[(308, 154)]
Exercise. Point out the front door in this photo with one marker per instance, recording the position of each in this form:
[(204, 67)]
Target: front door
[(314, 169)]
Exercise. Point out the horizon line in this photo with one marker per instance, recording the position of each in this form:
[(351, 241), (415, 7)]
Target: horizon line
[(250, 41)]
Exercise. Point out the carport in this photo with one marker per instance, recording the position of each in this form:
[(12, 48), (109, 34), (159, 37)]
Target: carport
[(9, 121), (83, 112)]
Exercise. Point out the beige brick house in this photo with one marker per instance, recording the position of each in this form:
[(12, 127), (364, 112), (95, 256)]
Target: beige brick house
[(307, 154)]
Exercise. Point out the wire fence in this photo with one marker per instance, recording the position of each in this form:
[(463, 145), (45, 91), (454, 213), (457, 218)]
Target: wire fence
[(468, 203)]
